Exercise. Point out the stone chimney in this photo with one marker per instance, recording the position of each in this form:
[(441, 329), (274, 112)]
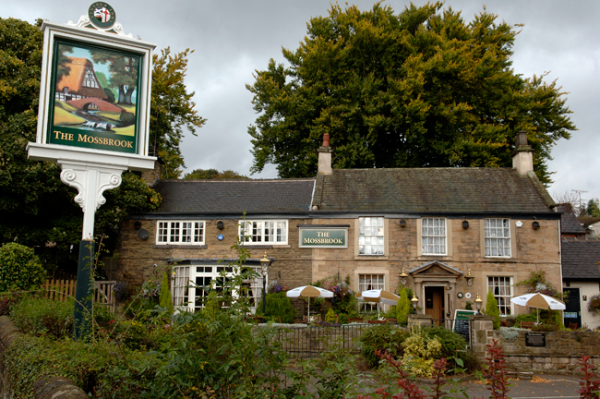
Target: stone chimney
[(522, 155), (325, 157)]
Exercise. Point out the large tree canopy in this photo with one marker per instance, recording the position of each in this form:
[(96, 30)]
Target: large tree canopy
[(36, 208), (173, 110), (422, 88)]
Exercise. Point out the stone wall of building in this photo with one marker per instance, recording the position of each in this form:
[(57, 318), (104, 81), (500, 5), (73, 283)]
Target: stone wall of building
[(291, 265), (532, 250)]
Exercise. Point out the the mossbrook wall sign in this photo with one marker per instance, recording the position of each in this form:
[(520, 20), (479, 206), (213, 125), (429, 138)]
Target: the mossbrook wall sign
[(323, 237)]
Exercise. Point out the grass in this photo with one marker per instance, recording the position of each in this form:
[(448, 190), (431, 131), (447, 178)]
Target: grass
[(64, 117)]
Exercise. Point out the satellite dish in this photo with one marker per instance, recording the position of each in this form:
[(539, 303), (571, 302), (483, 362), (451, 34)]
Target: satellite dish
[(143, 234)]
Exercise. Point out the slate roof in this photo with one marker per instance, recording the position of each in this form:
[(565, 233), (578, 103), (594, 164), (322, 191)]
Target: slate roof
[(568, 221), (579, 258), (236, 196), (443, 190)]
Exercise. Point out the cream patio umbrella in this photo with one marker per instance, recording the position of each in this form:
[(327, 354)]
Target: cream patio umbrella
[(309, 291), (538, 301), (378, 296)]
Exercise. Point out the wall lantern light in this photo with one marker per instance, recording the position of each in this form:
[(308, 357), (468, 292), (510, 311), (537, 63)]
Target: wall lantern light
[(414, 301), (220, 225), (137, 225), (469, 278), (535, 225), (402, 223), (403, 277), (478, 303), (465, 224)]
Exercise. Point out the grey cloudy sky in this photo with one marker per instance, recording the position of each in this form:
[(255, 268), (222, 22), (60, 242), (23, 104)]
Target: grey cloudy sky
[(231, 39)]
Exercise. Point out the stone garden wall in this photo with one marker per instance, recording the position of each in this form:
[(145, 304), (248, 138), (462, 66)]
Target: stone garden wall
[(46, 386), (561, 353)]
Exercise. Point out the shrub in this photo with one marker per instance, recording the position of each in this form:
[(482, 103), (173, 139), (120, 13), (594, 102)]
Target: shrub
[(491, 309), (386, 337), (420, 352), (451, 342), (165, 299), (330, 317), (278, 305), (20, 269), (343, 318), (41, 316), (403, 307)]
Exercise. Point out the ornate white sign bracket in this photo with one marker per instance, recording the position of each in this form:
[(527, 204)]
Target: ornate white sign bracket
[(90, 181), (84, 22)]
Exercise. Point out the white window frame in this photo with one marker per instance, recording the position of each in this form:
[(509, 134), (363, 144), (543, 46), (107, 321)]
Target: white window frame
[(500, 235), (264, 232), (185, 285), (180, 232), (498, 285), (429, 238), (370, 281), (371, 238)]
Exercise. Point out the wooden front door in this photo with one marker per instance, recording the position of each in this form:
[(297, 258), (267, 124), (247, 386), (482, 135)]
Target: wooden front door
[(434, 304)]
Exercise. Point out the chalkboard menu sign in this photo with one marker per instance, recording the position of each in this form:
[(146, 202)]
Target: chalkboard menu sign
[(535, 339), (461, 322)]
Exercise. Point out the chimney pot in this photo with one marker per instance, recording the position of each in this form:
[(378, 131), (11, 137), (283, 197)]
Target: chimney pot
[(522, 155), (326, 140), (325, 151)]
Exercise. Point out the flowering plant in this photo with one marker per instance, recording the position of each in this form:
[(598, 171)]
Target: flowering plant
[(121, 291), (151, 289), (276, 287)]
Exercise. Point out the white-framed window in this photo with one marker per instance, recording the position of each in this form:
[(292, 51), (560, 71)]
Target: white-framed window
[(191, 285), (370, 282), (271, 232), (497, 237), (501, 288), (371, 236), (433, 236), (180, 232)]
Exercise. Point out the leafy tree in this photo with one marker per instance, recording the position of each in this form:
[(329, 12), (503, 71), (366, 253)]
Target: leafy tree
[(197, 174), (403, 307), (123, 71), (491, 309), (172, 110), (422, 88), (593, 208)]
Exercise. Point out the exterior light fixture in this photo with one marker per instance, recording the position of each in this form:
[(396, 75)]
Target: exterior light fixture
[(535, 225), (137, 225), (402, 223), (264, 266), (478, 303), (469, 278), (465, 224), (414, 301), (220, 225), (403, 277)]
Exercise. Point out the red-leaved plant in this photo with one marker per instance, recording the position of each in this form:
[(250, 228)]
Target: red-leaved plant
[(496, 362), (590, 381)]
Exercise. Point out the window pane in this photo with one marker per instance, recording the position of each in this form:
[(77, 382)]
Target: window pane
[(371, 236), (174, 235), (497, 237)]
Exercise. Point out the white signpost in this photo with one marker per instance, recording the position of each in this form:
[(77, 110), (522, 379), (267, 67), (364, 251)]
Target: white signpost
[(93, 117)]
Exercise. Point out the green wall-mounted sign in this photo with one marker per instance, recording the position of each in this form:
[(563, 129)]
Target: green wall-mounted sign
[(323, 237)]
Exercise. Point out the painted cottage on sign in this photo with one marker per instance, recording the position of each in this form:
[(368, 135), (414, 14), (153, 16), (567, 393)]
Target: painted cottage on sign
[(80, 82)]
